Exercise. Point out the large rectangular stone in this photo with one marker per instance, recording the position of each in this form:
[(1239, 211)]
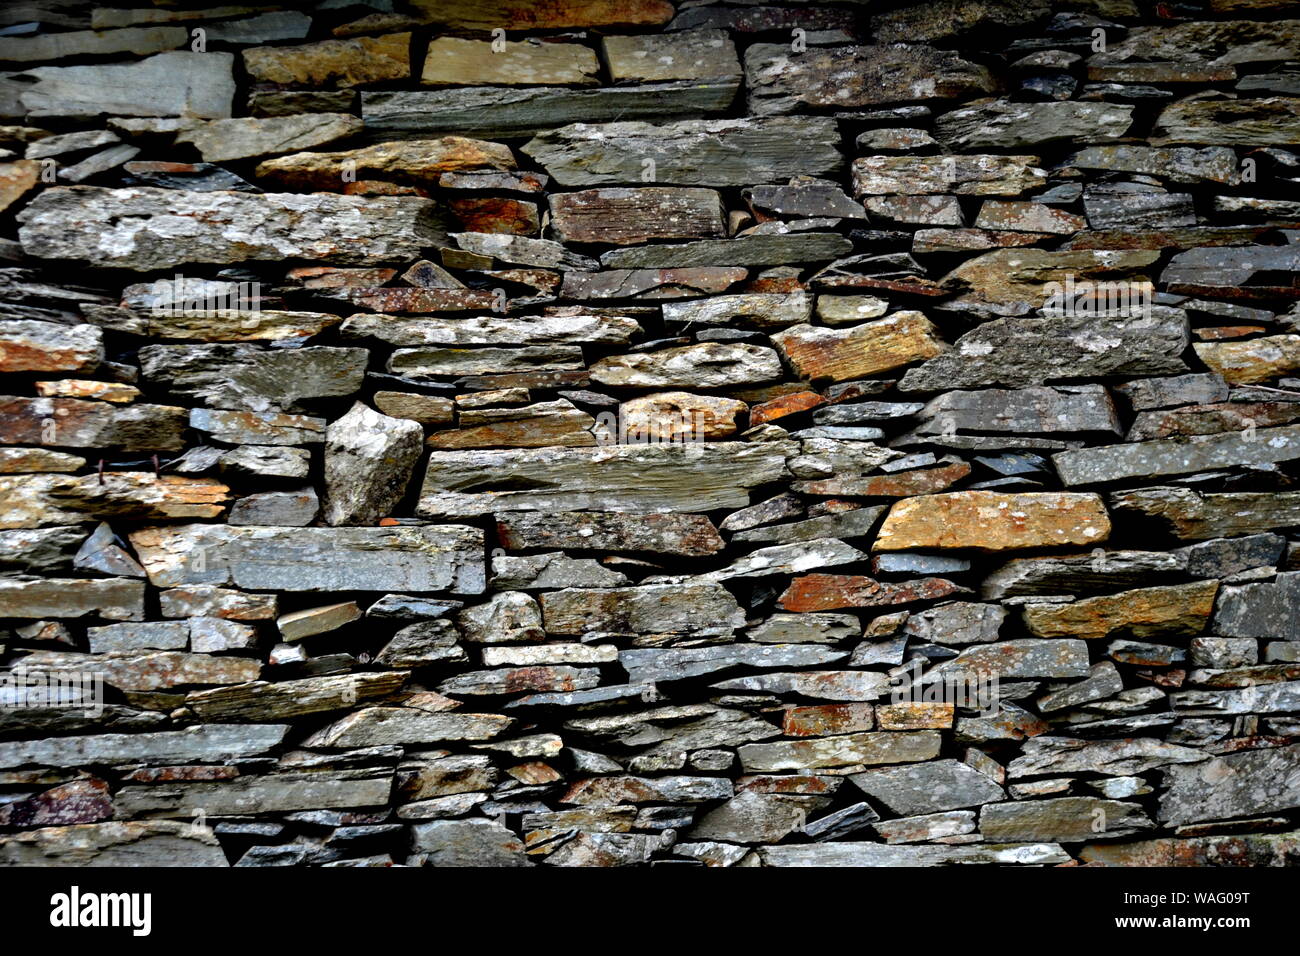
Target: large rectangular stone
[(720, 152), (666, 477), (151, 228), (400, 559), (498, 112), (197, 744)]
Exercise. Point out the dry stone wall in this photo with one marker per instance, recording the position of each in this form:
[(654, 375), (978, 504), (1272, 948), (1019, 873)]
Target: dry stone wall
[(611, 432)]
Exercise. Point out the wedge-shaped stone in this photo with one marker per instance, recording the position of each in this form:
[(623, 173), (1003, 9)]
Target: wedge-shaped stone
[(332, 63), (973, 175), (258, 428), (1194, 516), (702, 610), (723, 152), (73, 423), (1174, 456), (280, 792), (141, 843), (1031, 351), (684, 535), (1006, 125), (841, 354), (419, 162), (248, 136), (841, 77), (638, 478), (382, 726), (1066, 819), (492, 329), (443, 558), (34, 346), (1145, 612), (928, 787), (452, 61), (706, 365), (1235, 785), (991, 521), (284, 700), (161, 228), (1060, 756), (1273, 120), (1019, 659), (846, 751), (32, 501), (625, 216), (114, 599), (147, 87), (196, 744)]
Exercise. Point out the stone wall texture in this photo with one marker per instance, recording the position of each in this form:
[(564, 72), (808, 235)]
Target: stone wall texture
[(618, 432)]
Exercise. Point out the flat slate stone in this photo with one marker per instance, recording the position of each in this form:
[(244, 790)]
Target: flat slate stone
[(1019, 352), (223, 227), (636, 478), (779, 80), (928, 787), (719, 152), (496, 112), (445, 558)]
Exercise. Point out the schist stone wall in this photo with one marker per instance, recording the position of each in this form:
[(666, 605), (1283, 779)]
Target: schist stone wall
[(619, 432)]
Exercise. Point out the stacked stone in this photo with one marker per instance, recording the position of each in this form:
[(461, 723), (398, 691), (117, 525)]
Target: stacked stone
[(611, 432)]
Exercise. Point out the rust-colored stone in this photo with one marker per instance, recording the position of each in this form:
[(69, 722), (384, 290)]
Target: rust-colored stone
[(821, 719), (991, 521), (860, 350), (770, 411), (826, 592)]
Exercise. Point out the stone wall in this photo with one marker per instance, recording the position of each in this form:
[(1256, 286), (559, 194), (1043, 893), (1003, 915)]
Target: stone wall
[(604, 432)]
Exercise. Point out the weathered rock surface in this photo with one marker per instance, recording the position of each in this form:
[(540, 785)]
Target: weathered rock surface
[(67, 223)]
